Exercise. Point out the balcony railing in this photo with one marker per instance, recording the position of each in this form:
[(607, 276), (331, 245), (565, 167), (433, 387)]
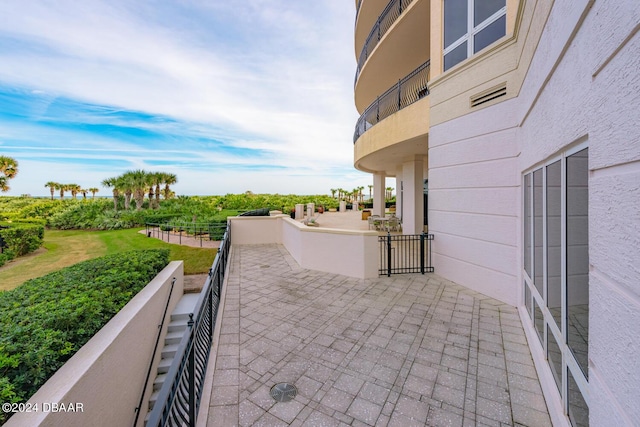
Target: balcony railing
[(388, 16), (407, 91)]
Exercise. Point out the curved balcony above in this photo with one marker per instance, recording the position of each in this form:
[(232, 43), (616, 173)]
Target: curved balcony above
[(400, 138), (389, 15), (408, 90), (402, 49)]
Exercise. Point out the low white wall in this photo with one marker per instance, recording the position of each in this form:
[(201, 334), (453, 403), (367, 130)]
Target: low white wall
[(256, 230), (105, 377), (350, 253)]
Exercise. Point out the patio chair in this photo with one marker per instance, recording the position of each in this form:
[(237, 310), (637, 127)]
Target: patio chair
[(374, 222), (393, 223)]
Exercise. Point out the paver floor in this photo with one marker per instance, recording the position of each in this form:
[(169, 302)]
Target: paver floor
[(409, 350)]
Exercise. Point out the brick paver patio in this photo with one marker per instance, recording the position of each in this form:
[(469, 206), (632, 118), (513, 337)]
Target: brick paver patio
[(409, 350)]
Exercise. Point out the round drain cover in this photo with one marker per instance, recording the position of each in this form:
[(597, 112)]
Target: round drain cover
[(283, 392)]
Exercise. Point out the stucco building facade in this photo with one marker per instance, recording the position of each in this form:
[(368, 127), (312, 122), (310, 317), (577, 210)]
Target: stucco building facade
[(512, 130)]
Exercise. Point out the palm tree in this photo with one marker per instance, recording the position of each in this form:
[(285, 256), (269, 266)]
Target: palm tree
[(93, 191), (139, 180), (125, 185), (52, 187), (8, 170), (389, 194), (75, 189), (333, 192), (84, 192), (155, 178), (113, 183), (62, 188), (370, 188), (160, 179), (168, 180)]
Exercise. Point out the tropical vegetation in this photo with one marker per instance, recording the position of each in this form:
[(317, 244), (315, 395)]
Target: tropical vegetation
[(46, 320), (138, 183), (8, 170), (19, 239)]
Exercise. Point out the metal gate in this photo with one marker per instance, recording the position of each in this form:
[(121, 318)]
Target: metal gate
[(407, 253)]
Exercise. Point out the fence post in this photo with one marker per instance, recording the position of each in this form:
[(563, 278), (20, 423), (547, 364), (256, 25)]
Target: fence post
[(422, 253), (388, 254)]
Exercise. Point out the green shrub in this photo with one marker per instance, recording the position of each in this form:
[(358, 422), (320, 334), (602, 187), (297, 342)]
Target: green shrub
[(46, 320), (21, 238)]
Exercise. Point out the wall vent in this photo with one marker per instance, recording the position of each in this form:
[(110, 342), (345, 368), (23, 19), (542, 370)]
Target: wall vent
[(489, 95)]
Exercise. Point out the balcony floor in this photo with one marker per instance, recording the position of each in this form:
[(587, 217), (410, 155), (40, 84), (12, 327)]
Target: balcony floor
[(400, 351)]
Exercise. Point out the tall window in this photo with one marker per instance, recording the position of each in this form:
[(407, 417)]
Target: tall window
[(470, 26), (556, 271)]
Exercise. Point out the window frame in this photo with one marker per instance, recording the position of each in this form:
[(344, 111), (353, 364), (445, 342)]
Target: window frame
[(472, 31), (559, 332)]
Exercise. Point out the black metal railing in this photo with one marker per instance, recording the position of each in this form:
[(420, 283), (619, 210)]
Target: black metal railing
[(386, 19), (407, 253), (407, 91), (179, 398), (358, 4), (179, 229)]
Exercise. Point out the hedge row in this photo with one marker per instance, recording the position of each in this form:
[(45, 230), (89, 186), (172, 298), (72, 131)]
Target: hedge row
[(46, 320), (17, 239)]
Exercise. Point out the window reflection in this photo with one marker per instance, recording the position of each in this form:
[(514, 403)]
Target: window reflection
[(537, 230), (485, 8), (527, 224), (578, 409), (578, 257), (491, 33), (554, 241), (527, 300), (554, 355), (456, 56), (455, 20), (538, 321)]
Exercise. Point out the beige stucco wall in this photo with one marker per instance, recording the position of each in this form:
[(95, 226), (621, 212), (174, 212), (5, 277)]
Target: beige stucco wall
[(106, 375), (505, 61), (379, 147), (437, 42)]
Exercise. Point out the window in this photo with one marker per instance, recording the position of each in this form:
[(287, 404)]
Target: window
[(470, 26), (555, 249)]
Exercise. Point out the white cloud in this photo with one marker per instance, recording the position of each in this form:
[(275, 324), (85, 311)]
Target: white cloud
[(261, 75)]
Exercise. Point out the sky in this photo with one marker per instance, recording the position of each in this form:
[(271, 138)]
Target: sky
[(231, 96)]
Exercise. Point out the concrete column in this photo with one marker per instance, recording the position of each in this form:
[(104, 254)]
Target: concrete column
[(413, 211), (399, 192), (378, 194)]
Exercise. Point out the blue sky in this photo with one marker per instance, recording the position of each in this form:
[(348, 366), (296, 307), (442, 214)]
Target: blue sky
[(228, 95)]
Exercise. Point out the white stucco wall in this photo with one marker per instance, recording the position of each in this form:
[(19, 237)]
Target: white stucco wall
[(584, 85), (474, 196), (256, 230), (107, 374), (350, 253)]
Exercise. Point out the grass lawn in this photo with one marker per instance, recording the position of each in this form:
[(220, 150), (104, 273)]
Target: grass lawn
[(63, 248)]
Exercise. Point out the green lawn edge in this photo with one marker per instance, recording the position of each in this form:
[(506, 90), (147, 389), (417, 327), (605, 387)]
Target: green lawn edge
[(63, 248)]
